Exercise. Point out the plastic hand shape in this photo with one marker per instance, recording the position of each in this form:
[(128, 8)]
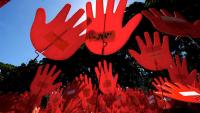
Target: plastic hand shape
[(107, 83), (158, 82), (55, 102), (120, 93), (136, 96), (109, 99), (102, 104), (179, 72), (152, 55), (73, 106), (171, 24), (3, 2), (27, 102), (80, 79), (43, 81), (162, 102), (7, 102), (180, 92), (116, 106), (72, 90), (87, 91), (58, 40), (55, 99), (107, 35), (136, 99)]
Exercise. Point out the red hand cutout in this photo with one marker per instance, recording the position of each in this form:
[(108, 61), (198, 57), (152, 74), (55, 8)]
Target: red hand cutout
[(171, 24), (180, 92), (55, 102), (58, 40), (72, 90), (27, 102), (87, 91), (137, 99), (108, 35), (152, 55), (43, 81), (158, 82), (162, 101), (107, 83), (73, 106), (179, 72), (55, 99)]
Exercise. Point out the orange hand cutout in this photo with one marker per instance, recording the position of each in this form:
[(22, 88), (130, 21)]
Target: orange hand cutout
[(171, 24), (154, 56), (180, 92), (43, 81), (107, 35), (58, 39), (107, 82), (179, 72)]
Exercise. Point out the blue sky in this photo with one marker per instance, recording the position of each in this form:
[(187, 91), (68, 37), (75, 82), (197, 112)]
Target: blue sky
[(16, 19)]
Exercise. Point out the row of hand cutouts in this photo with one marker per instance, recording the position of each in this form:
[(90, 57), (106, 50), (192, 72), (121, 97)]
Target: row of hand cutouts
[(105, 35), (82, 95), (79, 96)]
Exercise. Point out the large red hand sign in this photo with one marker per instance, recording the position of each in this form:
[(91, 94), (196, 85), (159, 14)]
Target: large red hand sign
[(107, 83), (152, 55), (107, 35), (172, 24), (180, 92), (58, 39), (179, 72), (43, 81)]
